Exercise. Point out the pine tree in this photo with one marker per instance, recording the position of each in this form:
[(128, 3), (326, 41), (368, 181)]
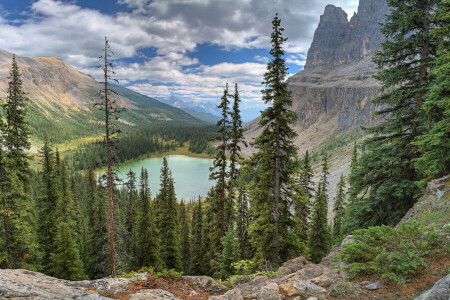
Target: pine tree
[(145, 237), (242, 221), (319, 237), (18, 244), (433, 144), (275, 158), (219, 168), (225, 260), (385, 173), (130, 214), (306, 176), (198, 265), (236, 139), (109, 106), (325, 173), (338, 209), (185, 238), (48, 205), (170, 226), (66, 261)]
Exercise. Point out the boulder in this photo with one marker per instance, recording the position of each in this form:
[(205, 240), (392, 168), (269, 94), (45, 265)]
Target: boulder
[(253, 288), (269, 292), (113, 285), (439, 291), (155, 294), (234, 294), (307, 289), (205, 283), (28, 284), (374, 286), (292, 266)]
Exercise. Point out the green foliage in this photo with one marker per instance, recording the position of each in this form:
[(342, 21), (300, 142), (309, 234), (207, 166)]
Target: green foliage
[(390, 253), (339, 203), (224, 262), (272, 231), (199, 264), (66, 261), (434, 143)]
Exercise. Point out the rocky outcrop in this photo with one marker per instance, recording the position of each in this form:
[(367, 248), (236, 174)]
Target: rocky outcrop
[(439, 291), (155, 294), (337, 78)]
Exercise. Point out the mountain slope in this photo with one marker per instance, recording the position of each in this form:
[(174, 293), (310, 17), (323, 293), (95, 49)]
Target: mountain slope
[(62, 97), (332, 95)]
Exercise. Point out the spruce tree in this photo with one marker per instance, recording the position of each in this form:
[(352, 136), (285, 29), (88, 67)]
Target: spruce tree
[(198, 265), (433, 144), (385, 172), (170, 226), (228, 256), (338, 209), (219, 168), (242, 221), (18, 242), (306, 176), (271, 230), (319, 236), (111, 109), (66, 261), (48, 205), (236, 139), (185, 237), (130, 214), (145, 237)]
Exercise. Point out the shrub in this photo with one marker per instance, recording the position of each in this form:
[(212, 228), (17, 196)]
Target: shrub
[(389, 253)]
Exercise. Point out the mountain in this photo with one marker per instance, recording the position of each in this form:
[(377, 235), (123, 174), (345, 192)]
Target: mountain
[(193, 106), (332, 94), (62, 97)]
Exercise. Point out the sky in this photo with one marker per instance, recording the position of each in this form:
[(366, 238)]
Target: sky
[(188, 48)]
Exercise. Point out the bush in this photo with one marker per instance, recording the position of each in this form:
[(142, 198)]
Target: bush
[(389, 253)]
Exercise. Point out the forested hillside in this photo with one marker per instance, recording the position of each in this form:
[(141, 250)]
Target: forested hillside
[(264, 214)]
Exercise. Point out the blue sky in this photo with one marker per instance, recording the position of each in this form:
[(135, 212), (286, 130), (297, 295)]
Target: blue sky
[(189, 48)]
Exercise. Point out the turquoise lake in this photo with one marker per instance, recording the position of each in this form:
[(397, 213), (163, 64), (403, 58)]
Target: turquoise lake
[(190, 174)]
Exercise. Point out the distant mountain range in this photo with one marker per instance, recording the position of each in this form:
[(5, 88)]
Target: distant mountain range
[(207, 111), (61, 101)]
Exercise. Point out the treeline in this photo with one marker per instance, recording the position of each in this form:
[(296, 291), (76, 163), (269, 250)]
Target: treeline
[(258, 214), (136, 142)]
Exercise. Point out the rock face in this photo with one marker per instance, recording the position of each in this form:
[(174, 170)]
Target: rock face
[(336, 80), (439, 291)]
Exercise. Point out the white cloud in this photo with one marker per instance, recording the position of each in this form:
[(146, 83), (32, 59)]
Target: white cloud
[(172, 27)]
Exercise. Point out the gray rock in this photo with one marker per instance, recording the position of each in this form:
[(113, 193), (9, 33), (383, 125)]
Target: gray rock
[(439, 291), (254, 287), (113, 285), (139, 277), (292, 265), (269, 292), (312, 298), (307, 289), (206, 283), (28, 284), (374, 286), (155, 294), (234, 294), (347, 239)]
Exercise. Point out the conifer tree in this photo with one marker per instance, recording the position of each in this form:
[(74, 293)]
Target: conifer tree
[(236, 139), (146, 239), (170, 226), (198, 265), (338, 210), (385, 172), (18, 242), (275, 158), (130, 212), (185, 238), (319, 236), (48, 205), (306, 176), (109, 106), (433, 144), (219, 168), (325, 173), (228, 256), (242, 221), (66, 261)]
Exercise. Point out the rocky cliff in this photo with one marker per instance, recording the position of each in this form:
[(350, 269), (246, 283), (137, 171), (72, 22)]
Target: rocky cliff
[(337, 78)]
